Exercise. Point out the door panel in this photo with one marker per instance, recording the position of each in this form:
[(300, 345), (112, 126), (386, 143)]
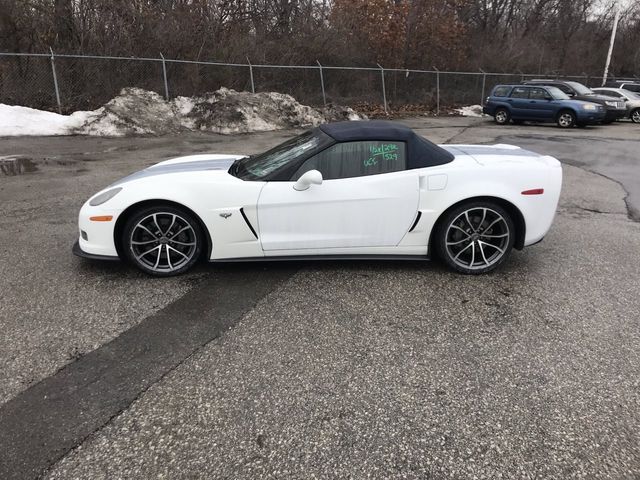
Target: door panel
[(368, 211)]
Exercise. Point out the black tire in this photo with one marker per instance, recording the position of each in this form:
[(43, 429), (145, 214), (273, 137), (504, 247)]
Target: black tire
[(635, 115), (502, 116), (566, 119), (171, 237), (487, 247)]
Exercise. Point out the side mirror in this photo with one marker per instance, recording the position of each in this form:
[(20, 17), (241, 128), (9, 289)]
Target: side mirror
[(312, 177), (548, 97)]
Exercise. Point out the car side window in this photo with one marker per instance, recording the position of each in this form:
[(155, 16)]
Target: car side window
[(520, 92), (501, 92), (610, 93), (356, 159), (538, 93)]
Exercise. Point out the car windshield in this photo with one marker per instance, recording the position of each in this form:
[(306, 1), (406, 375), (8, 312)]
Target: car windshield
[(580, 88), (557, 93), (259, 167)]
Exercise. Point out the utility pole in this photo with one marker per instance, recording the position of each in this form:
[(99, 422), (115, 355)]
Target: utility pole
[(613, 40)]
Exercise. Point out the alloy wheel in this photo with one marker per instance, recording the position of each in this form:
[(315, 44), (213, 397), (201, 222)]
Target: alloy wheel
[(163, 242), (477, 238), (501, 117), (565, 120)]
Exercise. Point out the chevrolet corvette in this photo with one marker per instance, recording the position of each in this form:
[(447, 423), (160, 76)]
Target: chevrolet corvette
[(366, 189)]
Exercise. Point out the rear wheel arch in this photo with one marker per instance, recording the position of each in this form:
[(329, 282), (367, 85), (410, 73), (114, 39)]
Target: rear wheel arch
[(514, 212), (131, 209)]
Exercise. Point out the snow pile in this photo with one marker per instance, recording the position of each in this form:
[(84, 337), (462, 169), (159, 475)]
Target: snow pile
[(228, 111), (470, 111), (134, 112), (139, 112), (27, 121)]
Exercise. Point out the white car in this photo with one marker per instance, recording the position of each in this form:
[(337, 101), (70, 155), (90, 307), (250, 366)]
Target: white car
[(631, 100), (372, 190)]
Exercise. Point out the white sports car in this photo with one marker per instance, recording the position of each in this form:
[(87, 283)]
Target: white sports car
[(373, 190)]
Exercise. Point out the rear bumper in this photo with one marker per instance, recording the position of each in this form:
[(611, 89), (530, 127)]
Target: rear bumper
[(77, 251)]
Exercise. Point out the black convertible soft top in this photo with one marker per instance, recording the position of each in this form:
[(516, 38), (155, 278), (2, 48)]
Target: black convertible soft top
[(420, 151)]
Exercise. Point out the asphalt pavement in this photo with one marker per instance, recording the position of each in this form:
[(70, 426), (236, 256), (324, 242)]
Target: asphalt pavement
[(321, 370)]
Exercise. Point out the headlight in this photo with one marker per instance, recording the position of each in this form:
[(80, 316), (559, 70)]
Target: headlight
[(104, 197), (610, 104), (589, 107)]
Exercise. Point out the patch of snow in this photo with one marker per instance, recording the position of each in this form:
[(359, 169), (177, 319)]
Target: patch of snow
[(469, 111), (140, 112), (15, 120)]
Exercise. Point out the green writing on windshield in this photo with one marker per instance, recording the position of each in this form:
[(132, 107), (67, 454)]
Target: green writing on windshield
[(385, 151)]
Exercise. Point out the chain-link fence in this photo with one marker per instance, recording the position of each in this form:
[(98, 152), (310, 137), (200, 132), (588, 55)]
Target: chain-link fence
[(67, 83)]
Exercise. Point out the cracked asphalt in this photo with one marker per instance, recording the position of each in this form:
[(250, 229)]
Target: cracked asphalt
[(337, 369)]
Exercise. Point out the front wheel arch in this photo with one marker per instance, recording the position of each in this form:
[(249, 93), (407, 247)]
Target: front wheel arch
[(131, 209), (516, 215)]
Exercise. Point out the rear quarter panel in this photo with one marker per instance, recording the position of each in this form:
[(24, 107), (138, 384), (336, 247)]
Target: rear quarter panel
[(506, 180)]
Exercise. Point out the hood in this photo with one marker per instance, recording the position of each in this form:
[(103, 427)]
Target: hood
[(598, 96), (612, 102), (191, 163)]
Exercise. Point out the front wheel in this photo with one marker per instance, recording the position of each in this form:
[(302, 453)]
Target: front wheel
[(475, 237), (163, 240), (566, 119), (635, 115)]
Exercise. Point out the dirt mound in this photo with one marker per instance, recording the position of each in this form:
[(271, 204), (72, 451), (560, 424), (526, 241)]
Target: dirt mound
[(139, 112)]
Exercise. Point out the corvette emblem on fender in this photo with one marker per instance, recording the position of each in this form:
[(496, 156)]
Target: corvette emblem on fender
[(225, 215)]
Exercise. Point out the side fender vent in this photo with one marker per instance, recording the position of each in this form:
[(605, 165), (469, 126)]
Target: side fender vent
[(415, 223), (244, 215)]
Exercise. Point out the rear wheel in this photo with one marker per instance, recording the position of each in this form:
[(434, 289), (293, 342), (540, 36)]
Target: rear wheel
[(163, 240), (475, 237), (502, 116), (566, 119), (635, 115)]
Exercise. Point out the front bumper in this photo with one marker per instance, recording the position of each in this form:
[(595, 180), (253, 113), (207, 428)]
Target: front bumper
[(77, 251), (589, 117), (614, 114)]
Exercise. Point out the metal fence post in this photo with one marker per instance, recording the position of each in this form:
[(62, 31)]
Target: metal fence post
[(384, 90), (55, 80), (253, 87), (324, 97), (437, 91), (484, 84), (164, 73)]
